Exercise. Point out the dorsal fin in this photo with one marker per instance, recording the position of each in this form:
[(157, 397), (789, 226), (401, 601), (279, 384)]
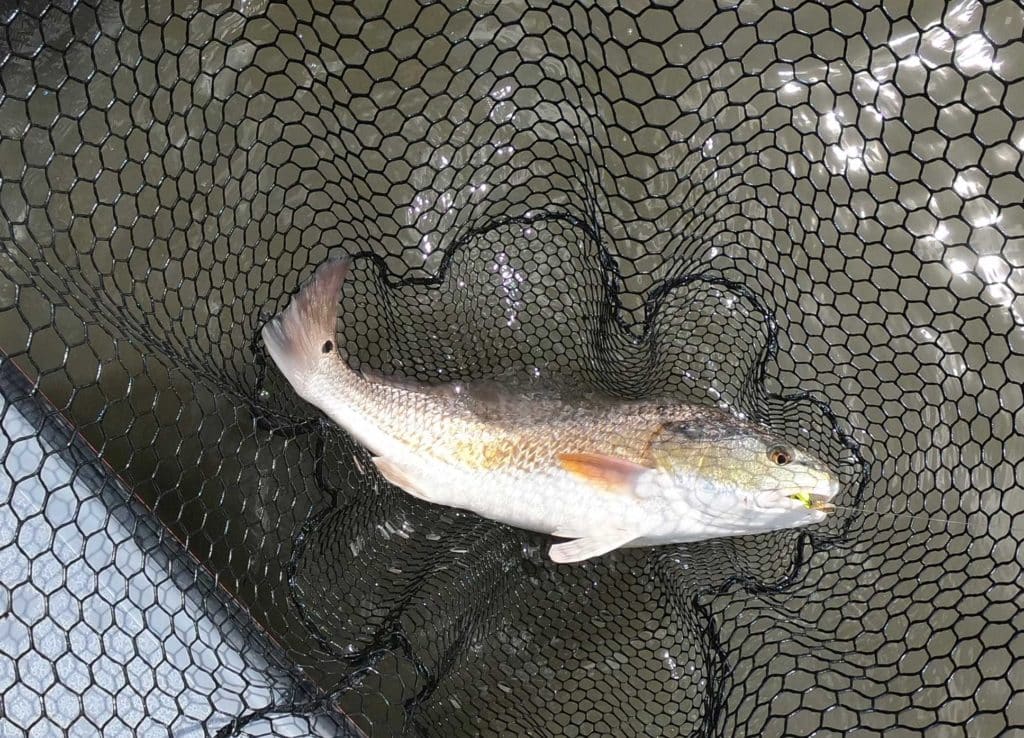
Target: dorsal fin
[(705, 428), (488, 399)]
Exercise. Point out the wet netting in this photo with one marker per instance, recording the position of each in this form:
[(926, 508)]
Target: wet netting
[(808, 212)]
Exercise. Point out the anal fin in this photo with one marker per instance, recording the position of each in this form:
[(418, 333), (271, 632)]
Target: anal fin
[(401, 477), (587, 547)]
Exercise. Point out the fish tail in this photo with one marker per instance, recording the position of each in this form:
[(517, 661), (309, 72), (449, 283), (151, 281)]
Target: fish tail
[(299, 337)]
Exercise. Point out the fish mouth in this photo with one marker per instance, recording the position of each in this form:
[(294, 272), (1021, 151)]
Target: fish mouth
[(813, 502), (818, 500)]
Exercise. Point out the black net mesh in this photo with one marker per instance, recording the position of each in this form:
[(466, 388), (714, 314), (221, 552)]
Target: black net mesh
[(810, 213)]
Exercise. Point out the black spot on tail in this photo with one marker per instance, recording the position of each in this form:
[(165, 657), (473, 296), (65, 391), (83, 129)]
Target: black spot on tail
[(305, 330)]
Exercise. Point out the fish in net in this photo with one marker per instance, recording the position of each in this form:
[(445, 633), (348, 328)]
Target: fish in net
[(809, 214)]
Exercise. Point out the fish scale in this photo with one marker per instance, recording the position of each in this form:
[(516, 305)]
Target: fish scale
[(603, 473)]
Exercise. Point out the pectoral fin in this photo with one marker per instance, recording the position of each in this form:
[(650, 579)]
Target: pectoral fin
[(609, 472), (588, 547)]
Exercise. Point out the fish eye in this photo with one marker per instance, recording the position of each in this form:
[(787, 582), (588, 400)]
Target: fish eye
[(780, 455)]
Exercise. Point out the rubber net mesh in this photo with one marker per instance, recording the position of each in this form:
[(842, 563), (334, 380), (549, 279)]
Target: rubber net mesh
[(808, 212)]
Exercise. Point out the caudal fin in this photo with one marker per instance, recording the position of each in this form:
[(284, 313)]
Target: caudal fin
[(298, 337)]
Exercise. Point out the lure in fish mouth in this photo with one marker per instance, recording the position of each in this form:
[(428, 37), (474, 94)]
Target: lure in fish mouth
[(602, 473)]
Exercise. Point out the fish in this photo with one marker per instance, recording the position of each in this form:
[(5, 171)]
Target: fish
[(597, 472)]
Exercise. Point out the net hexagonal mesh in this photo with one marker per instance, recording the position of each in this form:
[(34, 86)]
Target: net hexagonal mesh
[(810, 213)]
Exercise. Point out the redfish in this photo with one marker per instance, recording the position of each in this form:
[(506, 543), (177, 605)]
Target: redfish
[(602, 473)]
